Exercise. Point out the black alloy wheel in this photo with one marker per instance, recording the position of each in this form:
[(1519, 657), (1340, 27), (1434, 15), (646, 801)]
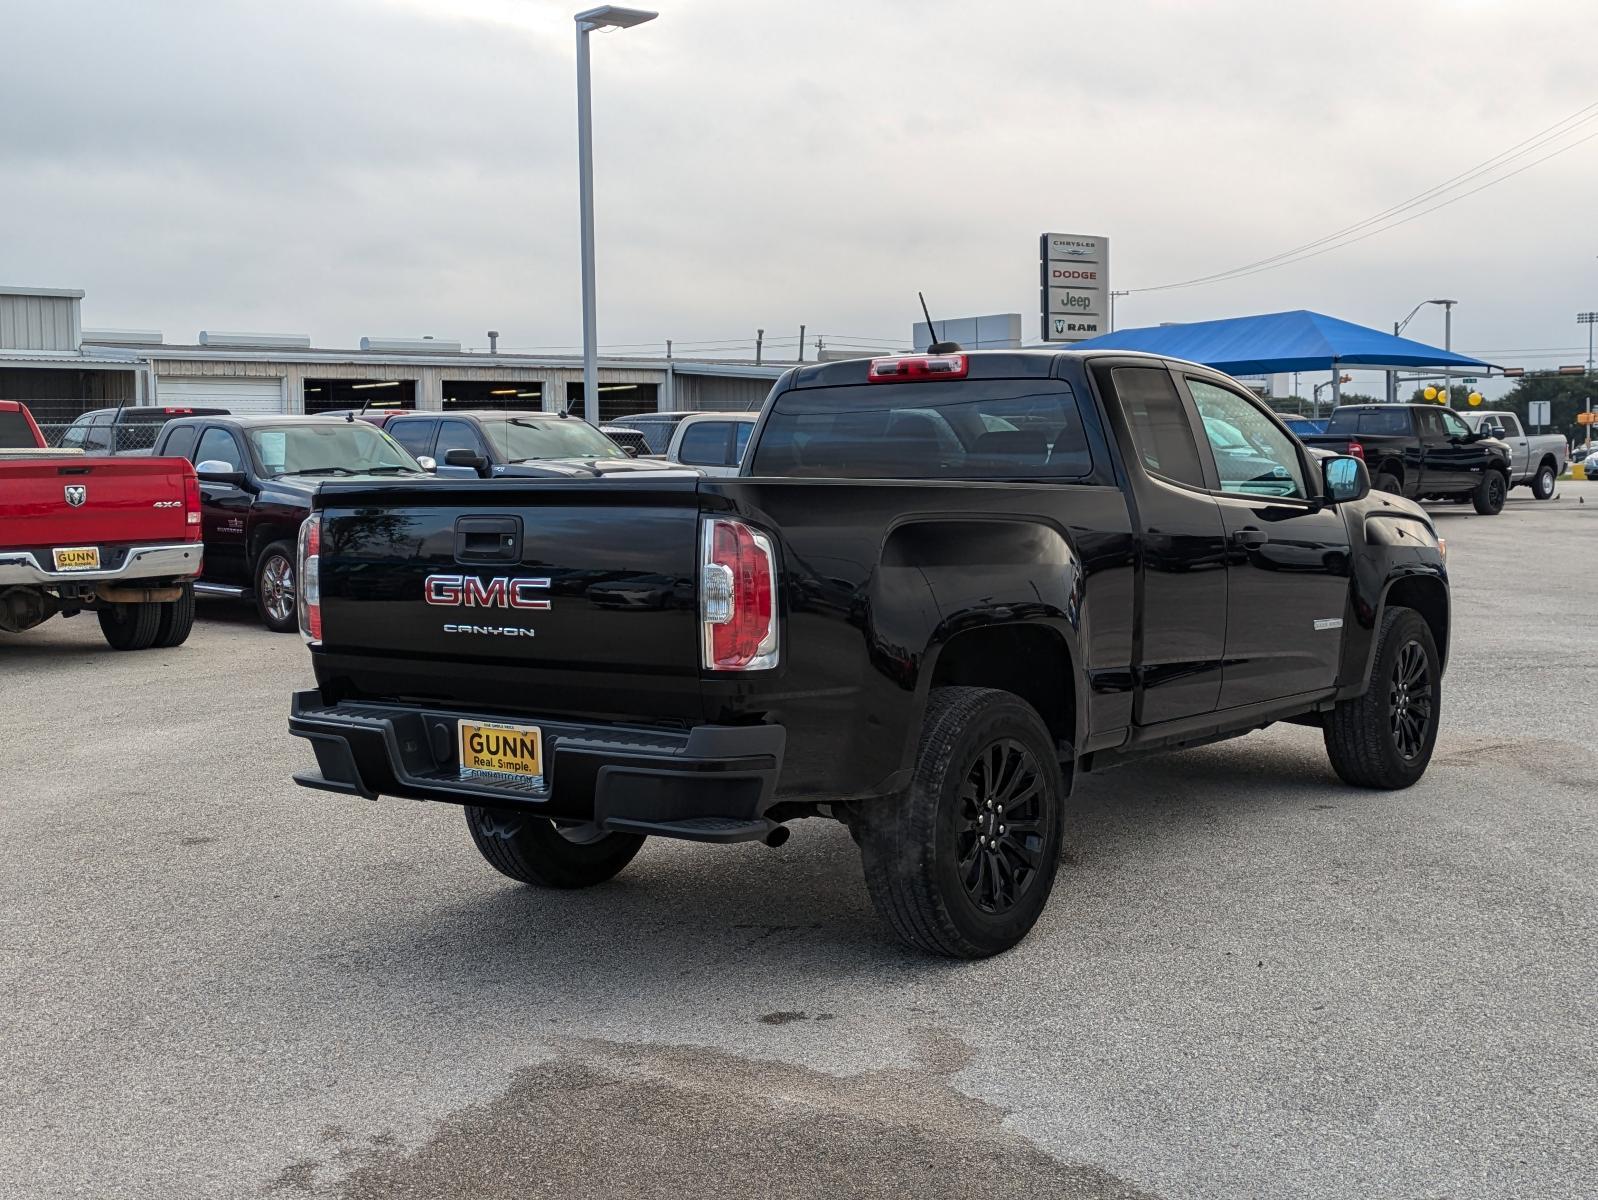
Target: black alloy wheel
[(961, 862), (1409, 700), (1001, 840), (1385, 736), (1490, 494)]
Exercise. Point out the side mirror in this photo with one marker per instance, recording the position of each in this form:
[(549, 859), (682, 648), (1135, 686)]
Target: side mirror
[(427, 463), (1345, 478), (214, 470), (466, 458), (630, 451)]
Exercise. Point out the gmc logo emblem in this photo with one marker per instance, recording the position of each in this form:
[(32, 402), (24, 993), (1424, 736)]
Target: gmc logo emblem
[(468, 591)]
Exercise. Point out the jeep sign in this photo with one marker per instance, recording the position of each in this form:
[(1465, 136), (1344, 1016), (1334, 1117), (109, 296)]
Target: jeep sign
[(1075, 271)]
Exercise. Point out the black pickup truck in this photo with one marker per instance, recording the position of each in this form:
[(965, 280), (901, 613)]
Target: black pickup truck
[(943, 585), (1421, 451)]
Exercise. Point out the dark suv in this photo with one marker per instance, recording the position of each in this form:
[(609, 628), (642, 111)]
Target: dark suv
[(126, 430), (494, 442)]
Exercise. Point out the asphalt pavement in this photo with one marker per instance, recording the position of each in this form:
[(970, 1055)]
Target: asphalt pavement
[(1252, 981)]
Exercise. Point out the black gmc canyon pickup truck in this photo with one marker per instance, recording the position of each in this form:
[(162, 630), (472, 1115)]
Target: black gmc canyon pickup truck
[(942, 586), (1421, 451)]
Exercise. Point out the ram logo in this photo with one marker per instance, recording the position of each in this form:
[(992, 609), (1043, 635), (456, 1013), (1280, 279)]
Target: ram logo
[(469, 591), (77, 494)]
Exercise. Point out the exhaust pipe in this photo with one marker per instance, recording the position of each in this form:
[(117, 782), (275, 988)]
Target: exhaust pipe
[(777, 836), (113, 594)]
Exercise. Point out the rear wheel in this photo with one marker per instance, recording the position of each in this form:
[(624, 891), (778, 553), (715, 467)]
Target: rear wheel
[(1490, 493), (962, 863), (1384, 739), (535, 850), (1386, 481), (1542, 484), (130, 626), (276, 588), (177, 618)]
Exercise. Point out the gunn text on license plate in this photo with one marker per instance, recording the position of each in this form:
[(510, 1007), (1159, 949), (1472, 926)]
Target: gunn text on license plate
[(77, 558), (503, 749)]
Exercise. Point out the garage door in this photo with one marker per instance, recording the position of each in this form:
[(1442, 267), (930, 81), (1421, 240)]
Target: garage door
[(235, 395)]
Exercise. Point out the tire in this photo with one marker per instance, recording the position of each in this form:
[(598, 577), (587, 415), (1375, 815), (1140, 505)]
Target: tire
[(1364, 739), (276, 589), (1386, 481), (177, 618), (1542, 483), (532, 850), (130, 626), (978, 746), (1490, 493)]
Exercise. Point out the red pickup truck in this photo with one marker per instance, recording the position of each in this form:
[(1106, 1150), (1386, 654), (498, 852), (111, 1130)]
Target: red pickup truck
[(119, 537)]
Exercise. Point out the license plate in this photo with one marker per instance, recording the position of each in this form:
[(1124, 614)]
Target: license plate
[(77, 558), (501, 750)]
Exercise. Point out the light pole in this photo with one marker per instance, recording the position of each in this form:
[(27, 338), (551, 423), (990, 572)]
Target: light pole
[(1589, 319), (1448, 343), (607, 16)]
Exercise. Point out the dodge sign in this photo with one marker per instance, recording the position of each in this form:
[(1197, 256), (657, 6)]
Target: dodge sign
[(1075, 269)]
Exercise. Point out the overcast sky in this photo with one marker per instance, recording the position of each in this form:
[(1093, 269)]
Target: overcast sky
[(406, 167)]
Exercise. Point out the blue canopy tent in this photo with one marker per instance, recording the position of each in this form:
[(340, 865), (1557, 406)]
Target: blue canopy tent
[(1274, 343)]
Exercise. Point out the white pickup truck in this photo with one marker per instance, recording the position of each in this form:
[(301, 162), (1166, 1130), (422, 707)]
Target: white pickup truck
[(1535, 460)]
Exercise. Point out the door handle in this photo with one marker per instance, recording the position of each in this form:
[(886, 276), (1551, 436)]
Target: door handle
[(1250, 537)]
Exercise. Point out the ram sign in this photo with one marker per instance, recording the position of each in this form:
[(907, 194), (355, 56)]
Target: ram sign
[(1075, 269)]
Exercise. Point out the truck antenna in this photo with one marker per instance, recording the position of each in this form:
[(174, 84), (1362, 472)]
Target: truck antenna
[(935, 346)]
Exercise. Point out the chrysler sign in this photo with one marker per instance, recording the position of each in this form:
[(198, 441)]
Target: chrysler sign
[(1075, 277)]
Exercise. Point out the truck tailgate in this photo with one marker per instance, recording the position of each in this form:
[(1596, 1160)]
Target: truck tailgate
[(57, 501), (485, 593)]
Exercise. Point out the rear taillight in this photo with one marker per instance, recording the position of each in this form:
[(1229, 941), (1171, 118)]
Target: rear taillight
[(918, 366), (1357, 450), (310, 579), (191, 504), (737, 598)]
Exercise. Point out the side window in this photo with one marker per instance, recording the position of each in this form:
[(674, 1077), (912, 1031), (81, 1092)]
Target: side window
[(704, 444), (1252, 456), (1428, 424), (1511, 424), (219, 444), (415, 436), (74, 437), (744, 428), (1160, 430), (1453, 425), (97, 435), (180, 444), (457, 435)]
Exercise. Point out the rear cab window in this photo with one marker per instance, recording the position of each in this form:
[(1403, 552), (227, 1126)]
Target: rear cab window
[(1374, 422), (997, 429), (14, 430)]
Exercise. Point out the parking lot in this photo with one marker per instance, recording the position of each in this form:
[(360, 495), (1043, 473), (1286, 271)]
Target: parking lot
[(1252, 980)]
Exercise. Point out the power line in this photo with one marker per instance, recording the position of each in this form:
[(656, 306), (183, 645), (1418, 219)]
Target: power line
[(1309, 250)]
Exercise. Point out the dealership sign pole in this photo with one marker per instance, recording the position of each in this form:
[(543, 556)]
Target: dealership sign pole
[(1075, 277)]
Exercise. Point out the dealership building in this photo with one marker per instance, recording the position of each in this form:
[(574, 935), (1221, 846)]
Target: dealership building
[(60, 370)]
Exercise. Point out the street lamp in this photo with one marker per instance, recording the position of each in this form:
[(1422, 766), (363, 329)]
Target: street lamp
[(1589, 319), (607, 16), (1448, 343)]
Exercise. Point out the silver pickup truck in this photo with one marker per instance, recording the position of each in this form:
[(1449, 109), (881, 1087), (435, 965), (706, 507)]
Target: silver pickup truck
[(1535, 460)]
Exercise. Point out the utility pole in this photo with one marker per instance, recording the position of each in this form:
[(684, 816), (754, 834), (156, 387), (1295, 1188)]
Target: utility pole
[(760, 341), (1113, 295), (801, 343), (668, 349)]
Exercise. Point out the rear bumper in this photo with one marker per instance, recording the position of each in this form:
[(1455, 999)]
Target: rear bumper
[(173, 560), (712, 783)]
